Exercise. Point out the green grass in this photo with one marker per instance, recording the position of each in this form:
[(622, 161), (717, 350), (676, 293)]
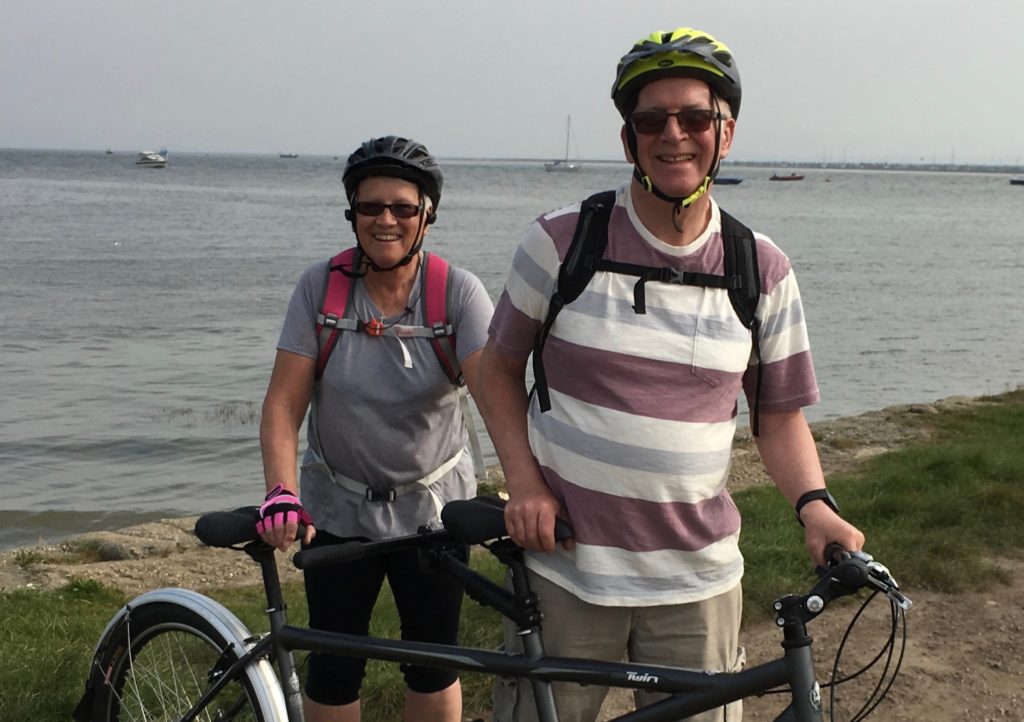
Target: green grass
[(46, 639), (939, 515)]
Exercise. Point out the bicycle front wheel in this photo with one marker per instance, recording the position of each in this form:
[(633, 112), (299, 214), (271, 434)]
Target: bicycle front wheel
[(158, 658)]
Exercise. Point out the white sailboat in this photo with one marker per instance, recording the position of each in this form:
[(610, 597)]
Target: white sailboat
[(564, 165)]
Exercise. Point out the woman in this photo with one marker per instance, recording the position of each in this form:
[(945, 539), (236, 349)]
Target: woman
[(386, 431)]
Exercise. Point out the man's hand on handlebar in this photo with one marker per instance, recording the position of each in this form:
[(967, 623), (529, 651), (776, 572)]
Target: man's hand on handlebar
[(822, 526), (530, 520)]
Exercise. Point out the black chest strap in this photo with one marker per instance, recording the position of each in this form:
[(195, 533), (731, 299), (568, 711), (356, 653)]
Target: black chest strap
[(741, 279)]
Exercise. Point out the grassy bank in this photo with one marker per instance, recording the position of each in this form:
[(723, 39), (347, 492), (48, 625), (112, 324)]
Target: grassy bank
[(940, 514)]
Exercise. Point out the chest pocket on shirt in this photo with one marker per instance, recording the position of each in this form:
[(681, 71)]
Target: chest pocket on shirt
[(721, 345)]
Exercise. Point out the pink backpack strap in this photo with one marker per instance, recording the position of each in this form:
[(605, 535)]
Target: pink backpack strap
[(436, 273), (336, 295)]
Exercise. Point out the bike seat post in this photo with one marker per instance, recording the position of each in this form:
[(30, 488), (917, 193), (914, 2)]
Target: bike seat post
[(529, 631), (278, 615)]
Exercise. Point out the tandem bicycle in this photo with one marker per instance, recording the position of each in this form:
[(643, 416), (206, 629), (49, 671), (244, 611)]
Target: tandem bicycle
[(176, 655)]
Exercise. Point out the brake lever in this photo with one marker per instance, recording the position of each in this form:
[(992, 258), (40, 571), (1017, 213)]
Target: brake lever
[(881, 579), (878, 575)]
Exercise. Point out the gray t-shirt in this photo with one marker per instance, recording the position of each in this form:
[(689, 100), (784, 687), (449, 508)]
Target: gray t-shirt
[(380, 422)]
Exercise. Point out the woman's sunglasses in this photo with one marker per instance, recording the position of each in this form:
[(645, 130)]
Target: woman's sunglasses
[(692, 120), (398, 210)]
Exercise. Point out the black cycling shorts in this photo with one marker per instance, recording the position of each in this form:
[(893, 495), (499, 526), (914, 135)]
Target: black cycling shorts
[(341, 599)]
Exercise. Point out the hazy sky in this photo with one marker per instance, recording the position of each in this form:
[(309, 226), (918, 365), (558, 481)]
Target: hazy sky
[(886, 80)]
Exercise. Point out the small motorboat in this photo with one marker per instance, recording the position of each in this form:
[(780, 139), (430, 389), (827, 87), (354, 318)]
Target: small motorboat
[(789, 177), (727, 181), (287, 155), (151, 159), (1017, 181)]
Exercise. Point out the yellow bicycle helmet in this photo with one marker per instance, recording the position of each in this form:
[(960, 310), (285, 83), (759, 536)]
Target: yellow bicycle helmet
[(681, 53)]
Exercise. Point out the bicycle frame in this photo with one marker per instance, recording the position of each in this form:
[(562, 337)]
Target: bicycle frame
[(689, 691), (692, 691)]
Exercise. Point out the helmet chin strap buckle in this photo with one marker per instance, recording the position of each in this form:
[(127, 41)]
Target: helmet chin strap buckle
[(701, 190)]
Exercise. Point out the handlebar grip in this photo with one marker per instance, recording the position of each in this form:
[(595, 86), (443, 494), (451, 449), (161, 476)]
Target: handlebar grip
[(835, 553), (562, 529), (331, 554), (845, 567)]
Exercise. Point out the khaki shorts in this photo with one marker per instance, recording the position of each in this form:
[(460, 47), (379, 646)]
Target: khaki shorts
[(702, 635)]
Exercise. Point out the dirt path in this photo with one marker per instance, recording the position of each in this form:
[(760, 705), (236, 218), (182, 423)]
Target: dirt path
[(965, 657)]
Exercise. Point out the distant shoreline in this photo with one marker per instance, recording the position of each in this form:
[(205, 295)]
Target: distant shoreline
[(1012, 169)]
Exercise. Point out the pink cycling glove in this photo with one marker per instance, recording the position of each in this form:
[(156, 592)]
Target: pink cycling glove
[(281, 507)]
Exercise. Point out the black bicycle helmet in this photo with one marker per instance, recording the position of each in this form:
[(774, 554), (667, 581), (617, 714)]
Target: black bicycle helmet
[(398, 157), (681, 53)]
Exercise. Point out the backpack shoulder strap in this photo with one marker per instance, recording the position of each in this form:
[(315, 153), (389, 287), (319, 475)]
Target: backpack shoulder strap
[(436, 285), (741, 269), (436, 275), (337, 291), (587, 247)]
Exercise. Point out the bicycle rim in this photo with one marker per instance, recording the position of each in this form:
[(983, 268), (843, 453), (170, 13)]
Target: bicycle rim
[(163, 657)]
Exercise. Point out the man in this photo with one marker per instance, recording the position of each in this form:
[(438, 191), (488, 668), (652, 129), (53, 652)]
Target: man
[(635, 448)]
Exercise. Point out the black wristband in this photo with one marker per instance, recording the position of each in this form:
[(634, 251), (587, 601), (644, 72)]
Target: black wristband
[(815, 495)]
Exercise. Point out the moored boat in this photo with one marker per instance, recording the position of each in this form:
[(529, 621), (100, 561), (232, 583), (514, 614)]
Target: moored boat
[(727, 181), (151, 159), (1017, 181), (789, 177), (564, 165)]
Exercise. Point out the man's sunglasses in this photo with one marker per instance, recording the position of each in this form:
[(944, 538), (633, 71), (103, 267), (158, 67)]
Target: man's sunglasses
[(398, 210), (692, 120)]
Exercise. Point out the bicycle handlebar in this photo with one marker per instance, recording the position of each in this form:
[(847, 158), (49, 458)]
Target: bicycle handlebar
[(849, 571), (476, 521), (466, 521)]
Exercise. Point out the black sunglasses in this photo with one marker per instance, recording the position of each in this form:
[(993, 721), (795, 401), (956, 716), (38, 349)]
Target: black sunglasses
[(691, 120), (398, 210)]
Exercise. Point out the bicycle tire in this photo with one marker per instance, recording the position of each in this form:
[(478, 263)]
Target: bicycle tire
[(159, 653)]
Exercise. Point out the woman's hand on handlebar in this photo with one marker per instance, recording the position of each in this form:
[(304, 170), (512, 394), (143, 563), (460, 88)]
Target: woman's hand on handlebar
[(280, 518)]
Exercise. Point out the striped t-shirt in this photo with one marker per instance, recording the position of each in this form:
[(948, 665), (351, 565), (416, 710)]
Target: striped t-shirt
[(638, 440)]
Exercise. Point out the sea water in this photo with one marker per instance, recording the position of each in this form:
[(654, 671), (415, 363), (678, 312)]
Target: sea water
[(140, 307)]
